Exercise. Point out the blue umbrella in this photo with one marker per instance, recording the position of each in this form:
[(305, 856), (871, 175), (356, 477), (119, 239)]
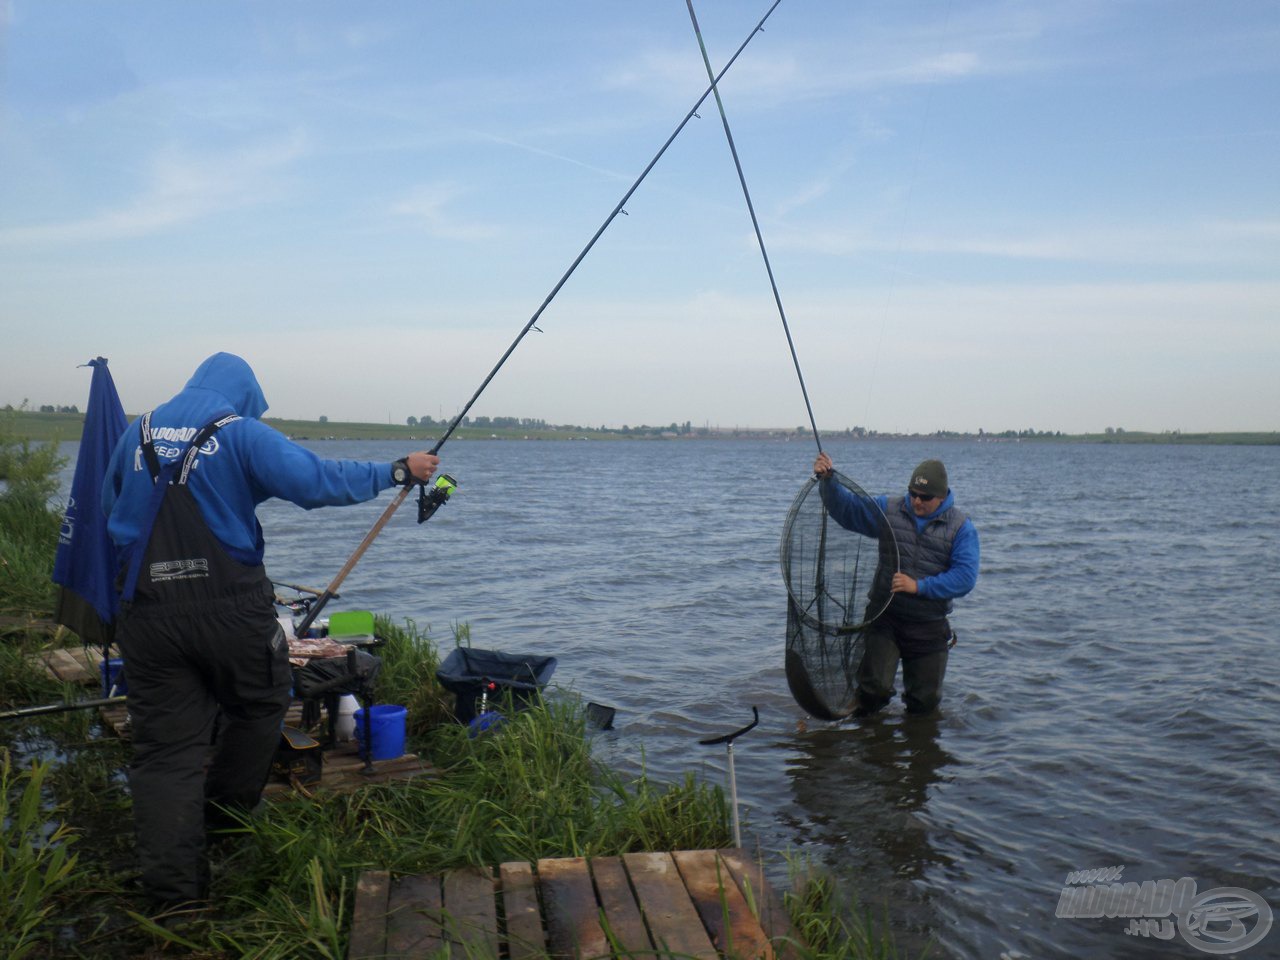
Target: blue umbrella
[(85, 563)]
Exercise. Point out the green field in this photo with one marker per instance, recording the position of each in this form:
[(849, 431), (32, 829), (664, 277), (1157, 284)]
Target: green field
[(33, 425)]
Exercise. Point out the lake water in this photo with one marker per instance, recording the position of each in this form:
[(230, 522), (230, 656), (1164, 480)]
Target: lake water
[(1113, 701)]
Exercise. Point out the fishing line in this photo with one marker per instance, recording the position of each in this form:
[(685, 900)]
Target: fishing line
[(823, 565), (400, 497), (755, 223)]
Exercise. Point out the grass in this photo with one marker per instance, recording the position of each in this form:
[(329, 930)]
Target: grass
[(37, 865), (283, 883)]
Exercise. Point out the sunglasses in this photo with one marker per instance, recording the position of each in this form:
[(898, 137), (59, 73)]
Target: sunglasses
[(923, 497)]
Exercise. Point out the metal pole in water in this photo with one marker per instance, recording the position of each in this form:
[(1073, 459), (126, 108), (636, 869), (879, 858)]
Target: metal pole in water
[(728, 739)]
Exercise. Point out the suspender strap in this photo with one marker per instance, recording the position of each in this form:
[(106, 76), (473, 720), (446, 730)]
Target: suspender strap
[(192, 451), (162, 477), (149, 447)]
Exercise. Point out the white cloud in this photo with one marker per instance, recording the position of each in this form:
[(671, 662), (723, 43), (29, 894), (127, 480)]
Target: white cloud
[(183, 185), (428, 206)]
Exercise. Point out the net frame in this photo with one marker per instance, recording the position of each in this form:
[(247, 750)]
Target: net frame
[(829, 572)]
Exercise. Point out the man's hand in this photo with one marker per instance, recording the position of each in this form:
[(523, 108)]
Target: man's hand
[(904, 584), (823, 466), (422, 465)]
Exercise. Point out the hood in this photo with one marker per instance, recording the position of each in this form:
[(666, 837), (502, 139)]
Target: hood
[(232, 378), (947, 502)]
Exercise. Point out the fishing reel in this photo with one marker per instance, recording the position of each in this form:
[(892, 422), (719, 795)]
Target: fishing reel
[(429, 501)]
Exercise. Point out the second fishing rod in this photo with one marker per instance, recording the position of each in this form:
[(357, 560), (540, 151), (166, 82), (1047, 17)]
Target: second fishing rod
[(430, 499)]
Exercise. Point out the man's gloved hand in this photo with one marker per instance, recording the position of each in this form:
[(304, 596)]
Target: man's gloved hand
[(417, 467)]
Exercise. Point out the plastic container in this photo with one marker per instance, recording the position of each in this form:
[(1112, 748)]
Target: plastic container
[(386, 722), (345, 723), (112, 672), (466, 672)]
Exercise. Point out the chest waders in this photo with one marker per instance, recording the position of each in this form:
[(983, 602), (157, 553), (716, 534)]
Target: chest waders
[(177, 565), (204, 650)]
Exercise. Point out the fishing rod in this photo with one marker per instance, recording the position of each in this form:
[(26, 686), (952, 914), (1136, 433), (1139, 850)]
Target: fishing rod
[(777, 297), (693, 111), (60, 707), (426, 504)]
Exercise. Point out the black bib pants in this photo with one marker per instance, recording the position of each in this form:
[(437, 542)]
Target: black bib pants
[(203, 650)]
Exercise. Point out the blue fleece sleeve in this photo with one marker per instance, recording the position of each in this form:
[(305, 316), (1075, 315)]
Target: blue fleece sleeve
[(962, 575), (278, 467), (850, 511)]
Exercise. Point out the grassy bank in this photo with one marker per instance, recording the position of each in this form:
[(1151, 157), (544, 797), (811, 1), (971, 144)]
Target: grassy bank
[(283, 882), (67, 426)]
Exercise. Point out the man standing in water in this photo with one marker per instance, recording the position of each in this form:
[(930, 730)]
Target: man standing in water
[(197, 625), (938, 561)]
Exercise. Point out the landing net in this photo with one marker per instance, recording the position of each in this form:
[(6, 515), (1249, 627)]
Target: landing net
[(829, 570)]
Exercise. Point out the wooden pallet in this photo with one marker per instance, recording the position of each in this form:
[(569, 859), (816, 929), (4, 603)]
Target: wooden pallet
[(692, 903), (344, 772), (73, 664)]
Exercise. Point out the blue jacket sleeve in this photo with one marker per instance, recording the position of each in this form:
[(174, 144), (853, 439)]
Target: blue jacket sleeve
[(278, 467), (962, 575), (850, 511)]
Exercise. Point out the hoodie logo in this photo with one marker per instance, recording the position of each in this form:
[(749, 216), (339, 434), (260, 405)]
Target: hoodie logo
[(166, 452)]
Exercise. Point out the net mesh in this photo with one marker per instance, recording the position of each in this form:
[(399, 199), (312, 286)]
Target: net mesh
[(829, 570)]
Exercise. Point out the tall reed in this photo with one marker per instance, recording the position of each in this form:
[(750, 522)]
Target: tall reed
[(37, 865)]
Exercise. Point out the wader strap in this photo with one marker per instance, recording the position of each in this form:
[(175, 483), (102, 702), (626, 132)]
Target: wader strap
[(162, 477), (193, 448), (149, 447)]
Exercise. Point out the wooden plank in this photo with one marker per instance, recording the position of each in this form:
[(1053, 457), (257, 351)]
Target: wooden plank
[(768, 906), (573, 916), (673, 922), (471, 916), (344, 772), (623, 922), (413, 917), (73, 665), (696, 903), (724, 912), (368, 938), (524, 934)]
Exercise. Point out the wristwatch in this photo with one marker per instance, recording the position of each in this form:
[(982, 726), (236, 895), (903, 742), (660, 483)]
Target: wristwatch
[(400, 474)]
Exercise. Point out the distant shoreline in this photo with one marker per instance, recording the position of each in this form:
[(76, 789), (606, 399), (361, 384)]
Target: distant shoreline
[(37, 426)]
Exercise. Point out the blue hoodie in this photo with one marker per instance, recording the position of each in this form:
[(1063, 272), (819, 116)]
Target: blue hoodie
[(243, 464)]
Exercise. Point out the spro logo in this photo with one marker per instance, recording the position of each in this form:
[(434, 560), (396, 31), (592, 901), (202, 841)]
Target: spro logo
[(165, 570)]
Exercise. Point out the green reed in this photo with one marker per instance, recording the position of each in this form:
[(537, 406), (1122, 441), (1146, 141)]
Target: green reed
[(283, 882), (37, 865)]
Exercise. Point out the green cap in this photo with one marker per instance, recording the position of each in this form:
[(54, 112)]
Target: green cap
[(929, 478)]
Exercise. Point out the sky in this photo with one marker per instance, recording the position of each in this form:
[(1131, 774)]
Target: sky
[(980, 215)]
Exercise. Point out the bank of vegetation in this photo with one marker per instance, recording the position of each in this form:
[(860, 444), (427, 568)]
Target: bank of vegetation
[(64, 423), (283, 883)]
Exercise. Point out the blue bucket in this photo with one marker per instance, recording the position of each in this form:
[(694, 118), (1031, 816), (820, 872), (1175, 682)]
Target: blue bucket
[(112, 671), (386, 728)]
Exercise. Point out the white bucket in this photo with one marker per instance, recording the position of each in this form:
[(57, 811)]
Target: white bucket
[(345, 725)]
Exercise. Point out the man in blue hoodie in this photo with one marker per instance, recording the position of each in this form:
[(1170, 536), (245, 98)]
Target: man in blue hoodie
[(937, 562), (198, 628)]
